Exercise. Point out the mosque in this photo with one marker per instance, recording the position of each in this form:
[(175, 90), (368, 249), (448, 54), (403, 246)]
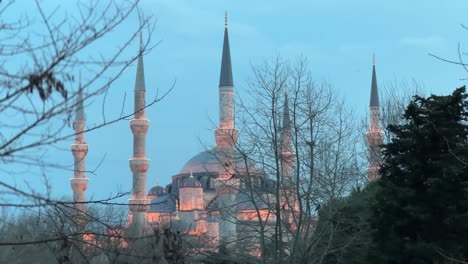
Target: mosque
[(206, 197)]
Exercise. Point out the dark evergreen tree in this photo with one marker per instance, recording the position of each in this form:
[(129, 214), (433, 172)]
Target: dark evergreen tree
[(421, 210), (344, 228)]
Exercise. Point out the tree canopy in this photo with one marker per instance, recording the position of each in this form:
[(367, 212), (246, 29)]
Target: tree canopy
[(421, 211)]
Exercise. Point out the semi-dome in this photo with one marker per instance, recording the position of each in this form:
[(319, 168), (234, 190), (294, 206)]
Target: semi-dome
[(191, 182), (209, 161), (157, 191)]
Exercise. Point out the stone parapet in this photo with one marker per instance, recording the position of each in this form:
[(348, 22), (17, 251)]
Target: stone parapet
[(79, 150), (79, 184), (139, 126), (287, 156), (373, 173), (139, 165), (226, 89), (226, 137), (139, 205), (375, 138)]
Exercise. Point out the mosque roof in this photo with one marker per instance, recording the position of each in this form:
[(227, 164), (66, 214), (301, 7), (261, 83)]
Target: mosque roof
[(209, 161), (162, 204)]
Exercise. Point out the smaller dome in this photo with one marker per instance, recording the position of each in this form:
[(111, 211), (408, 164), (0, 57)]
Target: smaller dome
[(157, 191), (191, 182)]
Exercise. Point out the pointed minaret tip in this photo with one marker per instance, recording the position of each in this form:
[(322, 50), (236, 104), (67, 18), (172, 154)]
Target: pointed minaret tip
[(374, 98), (286, 117), (140, 74), (79, 115), (373, 59), (225, 78)]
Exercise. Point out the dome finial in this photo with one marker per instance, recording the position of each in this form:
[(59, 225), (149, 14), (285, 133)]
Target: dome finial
[(191, 174), (225, 18), (157, 183)]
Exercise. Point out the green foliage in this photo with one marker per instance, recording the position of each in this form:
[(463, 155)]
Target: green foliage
[(421, 210), (343, 228)]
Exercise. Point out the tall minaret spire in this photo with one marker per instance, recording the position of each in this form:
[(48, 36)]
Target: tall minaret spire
[(226, 138), (288, 198), (375, 134), (79, 183), (226, 134), (139, 164), (287, 156)]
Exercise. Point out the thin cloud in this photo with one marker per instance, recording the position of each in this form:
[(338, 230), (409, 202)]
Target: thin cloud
[(429, 42)]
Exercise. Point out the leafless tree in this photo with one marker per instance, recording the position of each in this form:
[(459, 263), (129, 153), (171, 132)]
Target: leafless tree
[(323, 136), (42, 55)]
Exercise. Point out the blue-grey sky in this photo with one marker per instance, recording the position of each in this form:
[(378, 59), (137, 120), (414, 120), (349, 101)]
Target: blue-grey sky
[(337, 37)]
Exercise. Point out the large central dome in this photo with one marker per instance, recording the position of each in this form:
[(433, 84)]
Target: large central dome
[(211, 161)]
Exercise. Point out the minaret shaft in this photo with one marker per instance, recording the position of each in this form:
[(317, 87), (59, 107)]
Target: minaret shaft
[(287, 156), (226, 107), (79, 183)]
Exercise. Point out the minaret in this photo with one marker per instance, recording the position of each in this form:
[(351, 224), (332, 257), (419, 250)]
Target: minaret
[(226, 138), (226, 134), (139, 164), (288, 191), (79, 183), (375, 134), (287, 156)]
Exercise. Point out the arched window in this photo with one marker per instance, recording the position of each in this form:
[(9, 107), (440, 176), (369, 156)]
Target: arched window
[(205, 181), (211, 183)]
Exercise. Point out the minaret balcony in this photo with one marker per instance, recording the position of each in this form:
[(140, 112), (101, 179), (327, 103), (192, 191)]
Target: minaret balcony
[(139, 205), (139, 165), (287, 156), (79, 184), (373, 173), (226, 89), (79, 150), (139, 126), (226, 137), (375, 138)]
